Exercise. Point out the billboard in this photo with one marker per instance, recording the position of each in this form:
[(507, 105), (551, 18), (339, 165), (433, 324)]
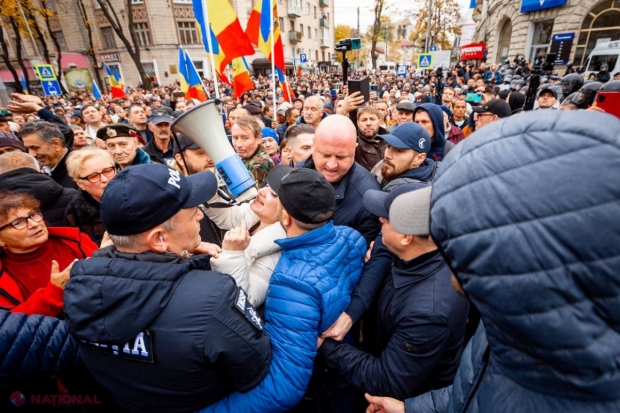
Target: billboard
[(534, 5), (473, 51), (561, 45)]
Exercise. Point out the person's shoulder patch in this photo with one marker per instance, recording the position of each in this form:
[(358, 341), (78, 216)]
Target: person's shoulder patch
[(243, 306)]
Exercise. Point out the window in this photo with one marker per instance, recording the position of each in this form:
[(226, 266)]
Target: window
[(301, 29), (601, 24), (541, 39), (316, 34), (292, 25), (308, 8), (143, 33), (188, 33), (137, 1), (316, 55), (309, 33), (323, 55), (108, 38), (200, 68), (315, 12), (60, 39)]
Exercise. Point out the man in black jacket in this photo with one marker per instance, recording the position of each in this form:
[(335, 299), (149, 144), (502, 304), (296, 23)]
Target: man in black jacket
[(19, 172), (166, 333), (413, 334)]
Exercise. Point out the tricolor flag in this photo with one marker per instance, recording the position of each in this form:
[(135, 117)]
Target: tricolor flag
[(227, 37), (297, 68), (472, 4), (260, 32), (195, 89), (96, 91), (24, 85), (242, 82), (183, 75), (117, 86)]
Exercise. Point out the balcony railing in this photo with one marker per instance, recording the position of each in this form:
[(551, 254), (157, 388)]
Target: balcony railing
[(323, 3), (325, 43), (294, 8), (294, 36), (324, 22)]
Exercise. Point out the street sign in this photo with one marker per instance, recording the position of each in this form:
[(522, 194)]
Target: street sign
[(433, 48), (561, 45), (425, 61), (442, 59), (45, 72), (402, 70), (51, 87), (303, 58)]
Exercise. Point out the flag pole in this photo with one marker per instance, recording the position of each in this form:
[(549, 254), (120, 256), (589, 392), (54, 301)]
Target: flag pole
[(273, 59), (210, 43)]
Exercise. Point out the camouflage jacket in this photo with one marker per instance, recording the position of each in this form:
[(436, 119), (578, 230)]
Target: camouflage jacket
[(259, 166)]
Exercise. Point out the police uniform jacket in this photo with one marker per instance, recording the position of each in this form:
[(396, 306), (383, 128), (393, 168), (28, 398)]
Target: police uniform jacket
[(162, 333)]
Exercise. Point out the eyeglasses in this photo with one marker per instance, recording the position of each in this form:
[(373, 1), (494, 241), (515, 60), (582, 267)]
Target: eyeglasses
[(96, 176), (22, 222)]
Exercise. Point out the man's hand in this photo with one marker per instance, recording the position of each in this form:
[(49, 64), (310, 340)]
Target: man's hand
[(207, 248), (27, 98), (59, 278), (368, 253), (237, 239), (25, 104), (351, 102), (384, 405), (340, 328)]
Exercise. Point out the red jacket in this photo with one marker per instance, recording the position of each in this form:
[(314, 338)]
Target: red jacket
[(47, 300), (456, 135)]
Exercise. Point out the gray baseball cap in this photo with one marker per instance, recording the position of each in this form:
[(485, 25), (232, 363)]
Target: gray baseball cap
[(410, 212)]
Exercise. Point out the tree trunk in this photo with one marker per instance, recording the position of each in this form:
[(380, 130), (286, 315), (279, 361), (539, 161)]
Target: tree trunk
[(18, 51), (7, 62), (134, 52), (91, 46), (376, 30), (48, 25)]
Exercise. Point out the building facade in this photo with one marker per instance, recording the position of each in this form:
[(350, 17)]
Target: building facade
[(507, 31), (307, 27)]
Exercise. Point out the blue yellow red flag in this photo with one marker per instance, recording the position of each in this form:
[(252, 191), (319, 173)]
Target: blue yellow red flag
[(96, 91), (228, 39), (242, 82), (117, 87), (195, 88), (259, 31), (183, 75)]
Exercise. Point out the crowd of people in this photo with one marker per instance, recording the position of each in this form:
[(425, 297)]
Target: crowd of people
[(429, 247)]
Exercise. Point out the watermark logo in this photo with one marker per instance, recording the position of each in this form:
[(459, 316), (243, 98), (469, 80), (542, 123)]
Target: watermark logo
[(18, 399)]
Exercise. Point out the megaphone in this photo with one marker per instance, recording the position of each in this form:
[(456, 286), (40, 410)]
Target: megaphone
[(203, 124)]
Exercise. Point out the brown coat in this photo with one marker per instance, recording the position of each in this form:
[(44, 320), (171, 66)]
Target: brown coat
[(369, 152)]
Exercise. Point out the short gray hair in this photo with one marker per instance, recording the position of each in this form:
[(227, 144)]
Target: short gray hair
[(10, 161), (46, 131), (135, 241)]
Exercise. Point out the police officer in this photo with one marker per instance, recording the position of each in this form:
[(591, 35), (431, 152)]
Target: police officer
[(156, 327)]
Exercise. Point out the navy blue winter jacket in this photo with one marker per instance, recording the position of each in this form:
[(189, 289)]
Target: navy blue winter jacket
[(439, 138), (532, 232), (162, 333), (34, 345), (413, 335)]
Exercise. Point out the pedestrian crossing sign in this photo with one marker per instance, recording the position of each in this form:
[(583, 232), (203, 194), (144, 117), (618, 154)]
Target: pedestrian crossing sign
[(45, 72), (425, 61)]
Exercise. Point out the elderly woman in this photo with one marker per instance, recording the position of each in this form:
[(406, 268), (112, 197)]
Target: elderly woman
[(92, 169), (32, 256), (250, 256)]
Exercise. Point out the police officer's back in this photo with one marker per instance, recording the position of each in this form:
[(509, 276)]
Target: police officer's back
[(158, 329)]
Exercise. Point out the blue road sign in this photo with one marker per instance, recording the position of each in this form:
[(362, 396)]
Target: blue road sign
[(303, 58), (433, 48), (51, 87)]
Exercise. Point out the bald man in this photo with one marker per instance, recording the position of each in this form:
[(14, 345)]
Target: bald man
[(335, 141), (312, 112)]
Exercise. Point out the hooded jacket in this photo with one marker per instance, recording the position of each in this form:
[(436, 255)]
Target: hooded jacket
[(309, 289), (182, 336), (53, 197), (438, 140), (534, 243), (423, 173)]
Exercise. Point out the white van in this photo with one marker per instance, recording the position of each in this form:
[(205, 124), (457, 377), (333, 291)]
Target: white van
[(603, 53), (387, 67)]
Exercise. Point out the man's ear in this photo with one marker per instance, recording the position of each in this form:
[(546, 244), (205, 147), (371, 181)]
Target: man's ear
[(56, 143), (285, 218), (406, 240), (156, 241)]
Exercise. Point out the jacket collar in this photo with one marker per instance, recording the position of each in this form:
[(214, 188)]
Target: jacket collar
[(405, 273), (315, 237), (340, 187)]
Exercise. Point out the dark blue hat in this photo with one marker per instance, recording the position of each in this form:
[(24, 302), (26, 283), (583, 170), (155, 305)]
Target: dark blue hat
[(378, 202), (409, 135), (270, 133), (142, 197)]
